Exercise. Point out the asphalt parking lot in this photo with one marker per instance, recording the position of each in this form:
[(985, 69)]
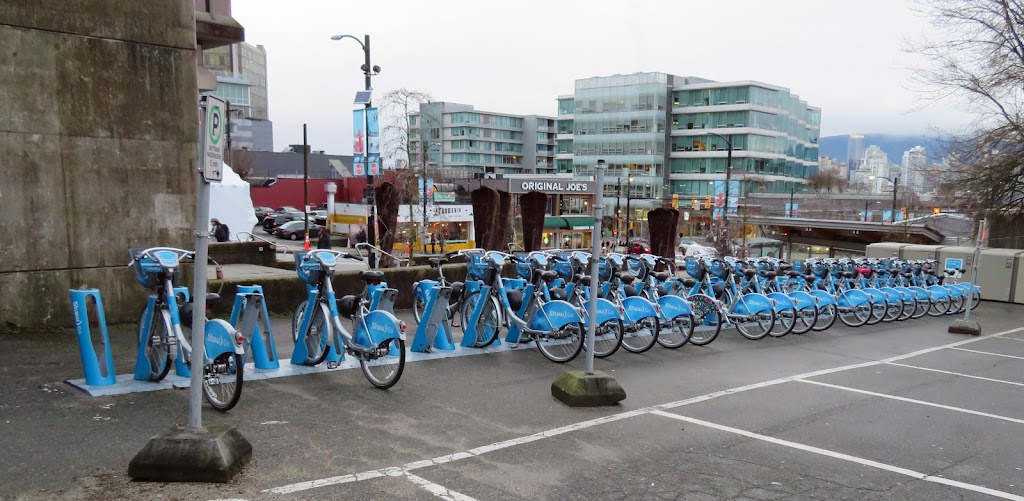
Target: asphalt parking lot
[(896, 411)]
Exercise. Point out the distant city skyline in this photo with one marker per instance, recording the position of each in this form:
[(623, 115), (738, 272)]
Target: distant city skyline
[(454, 56)]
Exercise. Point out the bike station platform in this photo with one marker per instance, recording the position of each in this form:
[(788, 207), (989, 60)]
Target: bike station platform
[(895, 411)]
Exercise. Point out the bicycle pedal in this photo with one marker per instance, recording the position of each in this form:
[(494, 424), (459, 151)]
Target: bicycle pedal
[(332, 365)]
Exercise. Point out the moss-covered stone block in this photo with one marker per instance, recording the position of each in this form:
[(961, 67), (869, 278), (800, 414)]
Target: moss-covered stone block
[(209, 454), (583, 389)]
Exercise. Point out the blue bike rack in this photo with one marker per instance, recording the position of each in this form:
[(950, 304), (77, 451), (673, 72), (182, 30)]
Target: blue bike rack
[(142, 369), (300, 353), (251, 307), (471, 335), (514, 332), (98, 371), (434, 329)]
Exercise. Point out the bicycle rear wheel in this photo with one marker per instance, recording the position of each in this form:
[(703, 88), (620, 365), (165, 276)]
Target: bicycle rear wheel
[(157, 351), (608, 337), (755, 326), (893, 311), (939, 306), (641, 335), (679, 331), (785, 321), (386, 369), (707, 320), (562, 344), (825, 318), (418, 305), (806, 318), (855, 316), (222, 381)]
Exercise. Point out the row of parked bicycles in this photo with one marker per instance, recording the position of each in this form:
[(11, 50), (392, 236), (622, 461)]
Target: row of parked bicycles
[(642, 301)]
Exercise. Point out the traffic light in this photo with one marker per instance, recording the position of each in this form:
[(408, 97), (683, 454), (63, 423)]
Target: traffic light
[(696, 204), (707, 201), (936, 210), (675, 200)]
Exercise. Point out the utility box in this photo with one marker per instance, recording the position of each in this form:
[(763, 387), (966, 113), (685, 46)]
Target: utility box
[(915, 252), (884, 250), (1001, 275)]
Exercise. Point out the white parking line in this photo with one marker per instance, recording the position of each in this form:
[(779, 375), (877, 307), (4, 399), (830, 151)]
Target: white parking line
[(914, 401), (438, 490), (312, 484), (956, 374), (988, 353), (1010, 338), (844, 457)]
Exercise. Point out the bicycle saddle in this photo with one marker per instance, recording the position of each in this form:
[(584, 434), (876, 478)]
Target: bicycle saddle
[(785, 267), (212, 299), (809, 277), (749, 274), (457, 288), (770, 275), (548, 276), (849, 274), (718, 288), (792, 274), (559, 293), (906, 275), (583, 279), (662, 276), (689, 283), (631, 291), (437, 261), (895, 272), (371, 276), (626, 277)]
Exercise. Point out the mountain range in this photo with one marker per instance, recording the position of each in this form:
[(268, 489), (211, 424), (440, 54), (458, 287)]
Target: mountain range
[(893, 145)]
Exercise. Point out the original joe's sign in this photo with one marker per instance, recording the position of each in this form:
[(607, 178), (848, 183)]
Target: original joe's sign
[(560, 186)]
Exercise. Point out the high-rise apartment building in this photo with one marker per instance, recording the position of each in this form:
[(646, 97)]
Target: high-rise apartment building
[(458, 141), (241, 72), (914, 169), (854, 154), (665, 135), (874, 171)]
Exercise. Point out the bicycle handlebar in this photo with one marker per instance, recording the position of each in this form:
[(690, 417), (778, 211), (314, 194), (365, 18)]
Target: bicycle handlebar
[(182, 253)]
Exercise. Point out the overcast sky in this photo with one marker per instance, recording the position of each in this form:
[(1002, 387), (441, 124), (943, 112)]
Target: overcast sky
[(516, 57)]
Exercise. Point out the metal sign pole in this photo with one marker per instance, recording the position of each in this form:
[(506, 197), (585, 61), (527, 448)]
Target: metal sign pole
[(211, 159), (595, 254), (974, 269)]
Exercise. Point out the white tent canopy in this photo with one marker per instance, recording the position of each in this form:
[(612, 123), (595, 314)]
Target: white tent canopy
[(231, 204)]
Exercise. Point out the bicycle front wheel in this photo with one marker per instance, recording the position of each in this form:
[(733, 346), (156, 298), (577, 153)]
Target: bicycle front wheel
[(825, 318), (385, 370), (562, 344), (157, 350), (297, 320), (418, 305), (806, 318), (679, 331), (222, 381), (316, 336), (641, 335), (608, 337), (939, 306), (488, 326), (785, 321), (707, 319)]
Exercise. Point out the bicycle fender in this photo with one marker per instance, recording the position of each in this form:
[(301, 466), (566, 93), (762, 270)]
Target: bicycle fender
[(560, 313), (219, 339), (938, 291), (673, 306), (875, 296), (606, 311), (853, 297), (636, 308), (782, 301), (905, 293), (802, 300), (955, 291), (920, 293), (377, 327), (891, 295), (822, 298), (749, 304)]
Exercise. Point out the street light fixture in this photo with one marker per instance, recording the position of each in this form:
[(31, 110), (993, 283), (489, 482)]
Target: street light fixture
[(368, 71)]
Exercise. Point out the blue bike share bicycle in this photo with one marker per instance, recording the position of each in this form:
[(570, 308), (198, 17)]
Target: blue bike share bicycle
[(162, 339), (378, 341)]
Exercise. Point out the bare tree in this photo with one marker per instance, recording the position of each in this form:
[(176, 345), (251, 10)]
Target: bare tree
[(979, 56), (828, 181), (399, 139)]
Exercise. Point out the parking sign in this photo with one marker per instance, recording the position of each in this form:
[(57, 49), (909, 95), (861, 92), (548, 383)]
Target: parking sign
[(213, 137)]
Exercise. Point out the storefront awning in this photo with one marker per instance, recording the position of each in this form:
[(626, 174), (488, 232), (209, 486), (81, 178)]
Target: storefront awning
[(569, 222)]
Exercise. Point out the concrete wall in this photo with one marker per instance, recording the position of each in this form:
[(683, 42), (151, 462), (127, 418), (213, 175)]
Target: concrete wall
[(97, 146)]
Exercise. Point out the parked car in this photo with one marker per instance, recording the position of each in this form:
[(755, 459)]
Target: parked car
[(262, 213), (319, 217), (286, 208), (696, 250), (639, 247), (296, 230), (273, 221)]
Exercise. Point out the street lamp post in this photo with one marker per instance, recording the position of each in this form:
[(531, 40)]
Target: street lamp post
[(629, 183), (618, 221), (895, 186), (368, 71), (728, 178)]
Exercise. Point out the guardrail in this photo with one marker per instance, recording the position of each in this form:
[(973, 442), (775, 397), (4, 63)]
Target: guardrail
[(252, 238), (378, 250)]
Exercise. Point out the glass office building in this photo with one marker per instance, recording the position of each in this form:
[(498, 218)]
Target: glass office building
[(665, 135)]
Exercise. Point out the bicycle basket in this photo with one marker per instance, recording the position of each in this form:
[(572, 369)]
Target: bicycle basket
[(563, 268), (695, 269), (477, 267), (147, 272), (718, 269), (523, 270), (308, 270)]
